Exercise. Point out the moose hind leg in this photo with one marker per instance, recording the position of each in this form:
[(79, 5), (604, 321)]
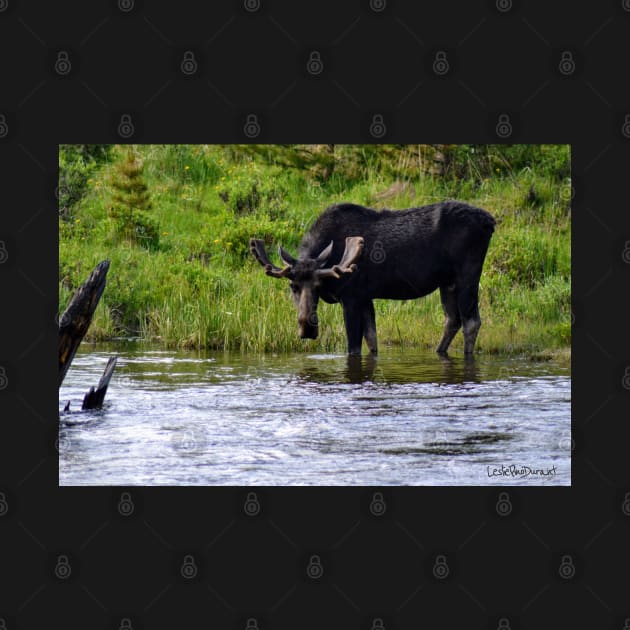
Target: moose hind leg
[(452, 321), (469, 312), (369, 327)]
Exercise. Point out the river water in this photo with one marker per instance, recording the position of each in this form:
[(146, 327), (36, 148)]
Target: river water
[(407, 418)]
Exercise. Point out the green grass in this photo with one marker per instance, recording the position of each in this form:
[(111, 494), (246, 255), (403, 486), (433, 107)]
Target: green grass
[(200, 288)]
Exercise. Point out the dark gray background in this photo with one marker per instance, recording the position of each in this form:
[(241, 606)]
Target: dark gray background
[(378, 58)]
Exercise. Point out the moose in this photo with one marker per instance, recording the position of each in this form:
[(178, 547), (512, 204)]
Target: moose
[(388, 254)]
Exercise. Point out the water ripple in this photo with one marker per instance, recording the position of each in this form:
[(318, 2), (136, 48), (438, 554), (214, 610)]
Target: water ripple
[(411, 418)]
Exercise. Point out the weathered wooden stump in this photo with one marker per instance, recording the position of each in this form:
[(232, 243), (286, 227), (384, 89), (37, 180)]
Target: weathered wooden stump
[(76, 319), (73, 325), (94, 398)]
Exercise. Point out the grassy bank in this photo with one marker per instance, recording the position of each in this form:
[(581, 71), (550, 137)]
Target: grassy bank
[(193, 284)]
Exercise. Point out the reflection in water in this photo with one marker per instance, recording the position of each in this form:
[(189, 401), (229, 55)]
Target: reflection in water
[(351, 369), (359, 369), (402, 418), (354, 369)]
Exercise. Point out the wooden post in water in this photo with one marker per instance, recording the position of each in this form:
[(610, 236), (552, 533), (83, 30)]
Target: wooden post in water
[(73, 325), (94, 398), (76, 319)]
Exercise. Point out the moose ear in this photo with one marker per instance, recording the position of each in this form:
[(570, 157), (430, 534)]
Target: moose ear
[(324, 255), (287, 259)]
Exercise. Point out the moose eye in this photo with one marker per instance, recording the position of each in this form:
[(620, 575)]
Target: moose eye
[(294, 287)]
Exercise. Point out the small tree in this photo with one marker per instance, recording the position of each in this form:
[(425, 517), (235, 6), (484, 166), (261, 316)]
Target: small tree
[(132, 202)]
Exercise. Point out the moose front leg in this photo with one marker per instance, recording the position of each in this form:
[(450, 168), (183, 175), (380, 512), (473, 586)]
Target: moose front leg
[(369, 327), (353, 317)]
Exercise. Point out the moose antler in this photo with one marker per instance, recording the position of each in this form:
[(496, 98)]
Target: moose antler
[(347, 264), (257, 248)]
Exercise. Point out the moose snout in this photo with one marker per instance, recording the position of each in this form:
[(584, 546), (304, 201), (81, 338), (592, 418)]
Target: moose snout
[(308, 333), (308, 327)]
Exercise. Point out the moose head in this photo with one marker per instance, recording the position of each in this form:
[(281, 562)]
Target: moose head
[(306, 275)]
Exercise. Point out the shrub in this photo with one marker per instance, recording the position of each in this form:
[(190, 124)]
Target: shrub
[(246, 191), (77, 162), (236, 235)]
